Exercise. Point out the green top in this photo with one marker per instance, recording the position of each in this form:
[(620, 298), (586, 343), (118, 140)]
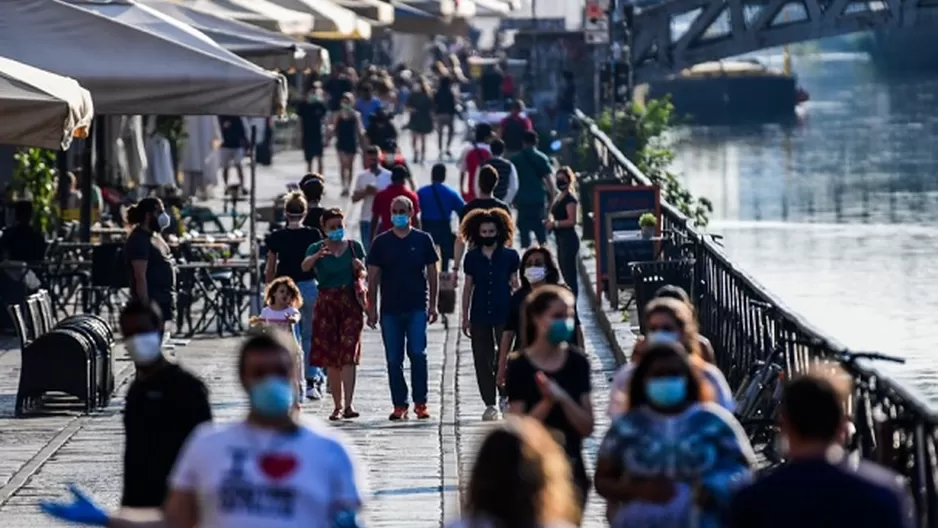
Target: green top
[(332, 271), (532, 166)]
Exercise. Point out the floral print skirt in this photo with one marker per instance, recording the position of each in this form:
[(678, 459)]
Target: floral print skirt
[(337, 329)]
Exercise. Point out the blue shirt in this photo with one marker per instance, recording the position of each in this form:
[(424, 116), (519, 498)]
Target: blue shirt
[(367, 108), (403, 263), (430, 206), (491, 287)]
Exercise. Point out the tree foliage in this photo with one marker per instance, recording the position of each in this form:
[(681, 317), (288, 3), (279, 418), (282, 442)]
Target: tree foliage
[(34, 180), (642, 133)]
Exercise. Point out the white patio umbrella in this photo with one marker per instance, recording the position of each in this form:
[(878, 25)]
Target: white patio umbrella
[(41, 109), (260, 46), (135, 60), (382, 13), (332, 21), (261, 13)]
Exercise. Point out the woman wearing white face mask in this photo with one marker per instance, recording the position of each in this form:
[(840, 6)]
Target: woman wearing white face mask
[(537, 269), (152, 271)]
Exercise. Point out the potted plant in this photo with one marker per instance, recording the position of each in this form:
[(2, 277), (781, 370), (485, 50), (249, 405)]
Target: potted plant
[(649, 225)]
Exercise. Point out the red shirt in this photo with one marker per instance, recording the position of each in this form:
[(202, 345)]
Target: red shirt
[(382, 205), (474, 159), (524, 120)]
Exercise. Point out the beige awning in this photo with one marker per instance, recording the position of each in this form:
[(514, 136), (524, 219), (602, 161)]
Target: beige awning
[(381, 13), (332, 21), (413, 21), (444, 8), (41, 109), (268, 49), (261, 13), (135, 60)]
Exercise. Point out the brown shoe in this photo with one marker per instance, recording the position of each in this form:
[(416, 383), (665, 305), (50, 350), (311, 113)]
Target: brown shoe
[(400, 413), (421, 411)]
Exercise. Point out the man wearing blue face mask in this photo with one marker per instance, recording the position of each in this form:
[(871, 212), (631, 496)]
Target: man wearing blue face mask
[(267, 470), (403, 261), (381, 215), (164, 405)]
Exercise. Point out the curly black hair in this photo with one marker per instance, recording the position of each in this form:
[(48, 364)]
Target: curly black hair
[(472, 223)]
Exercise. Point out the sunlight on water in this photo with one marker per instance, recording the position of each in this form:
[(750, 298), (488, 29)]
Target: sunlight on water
[(838, 215)]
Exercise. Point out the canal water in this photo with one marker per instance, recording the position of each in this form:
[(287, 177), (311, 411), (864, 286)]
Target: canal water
[(838, 214)]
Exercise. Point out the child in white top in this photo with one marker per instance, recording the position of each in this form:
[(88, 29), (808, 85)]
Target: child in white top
[(283, 301)]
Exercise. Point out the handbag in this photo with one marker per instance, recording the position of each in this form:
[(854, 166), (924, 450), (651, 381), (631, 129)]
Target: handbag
[(358, 287)]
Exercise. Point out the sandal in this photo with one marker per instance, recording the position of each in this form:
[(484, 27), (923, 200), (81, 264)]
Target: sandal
[(336, 414), (350, 413)]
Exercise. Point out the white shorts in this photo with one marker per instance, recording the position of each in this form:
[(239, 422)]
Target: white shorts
[(230, 156)]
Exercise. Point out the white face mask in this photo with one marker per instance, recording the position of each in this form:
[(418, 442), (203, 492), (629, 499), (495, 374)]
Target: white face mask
[(163, 220), (535, 273), (146, 348)]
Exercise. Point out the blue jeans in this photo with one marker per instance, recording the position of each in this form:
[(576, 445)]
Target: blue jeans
[(406, 332), (309, 290), (364, 227)]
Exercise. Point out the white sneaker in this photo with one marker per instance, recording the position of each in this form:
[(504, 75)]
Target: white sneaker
[(313, 393), (490, 414)]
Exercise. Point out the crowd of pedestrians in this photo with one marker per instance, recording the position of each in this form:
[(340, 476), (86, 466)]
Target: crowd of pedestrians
[(674, 456)]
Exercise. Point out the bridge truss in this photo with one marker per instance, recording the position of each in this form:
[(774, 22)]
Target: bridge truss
[(676, 34)]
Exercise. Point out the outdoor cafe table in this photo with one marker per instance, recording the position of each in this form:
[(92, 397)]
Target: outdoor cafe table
[(223, 290)]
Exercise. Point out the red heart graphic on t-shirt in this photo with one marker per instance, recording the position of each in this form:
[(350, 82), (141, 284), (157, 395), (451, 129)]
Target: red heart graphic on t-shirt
[(278, 466)]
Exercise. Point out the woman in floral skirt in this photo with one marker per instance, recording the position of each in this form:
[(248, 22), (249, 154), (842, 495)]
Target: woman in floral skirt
[(339, 316)]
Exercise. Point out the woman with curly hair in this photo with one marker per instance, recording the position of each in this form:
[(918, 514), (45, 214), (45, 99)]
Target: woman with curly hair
[(491, 273), (521, 479)]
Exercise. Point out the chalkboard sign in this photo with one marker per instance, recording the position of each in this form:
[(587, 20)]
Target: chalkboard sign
[(616, 209)]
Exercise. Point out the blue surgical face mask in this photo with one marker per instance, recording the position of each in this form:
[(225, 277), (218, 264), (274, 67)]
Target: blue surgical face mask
[(337, 234), (663, 336), (272, 397), (400, 220), (666, 391), (560, 331)]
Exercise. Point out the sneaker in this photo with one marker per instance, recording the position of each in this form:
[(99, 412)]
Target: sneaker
[(313, 393), (503, 404), (400, 413), (421, 411), (490, 414)]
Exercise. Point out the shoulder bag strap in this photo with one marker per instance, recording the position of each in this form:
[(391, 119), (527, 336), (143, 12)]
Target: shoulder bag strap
[(439, 203)]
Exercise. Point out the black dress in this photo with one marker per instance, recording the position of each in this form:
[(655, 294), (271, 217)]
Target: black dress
[(346, 134), (421, 118)]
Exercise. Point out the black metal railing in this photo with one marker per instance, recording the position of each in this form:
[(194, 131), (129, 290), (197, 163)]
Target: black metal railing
[(745, 322)]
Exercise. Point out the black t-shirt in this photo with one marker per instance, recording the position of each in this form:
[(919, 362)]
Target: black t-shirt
[(311, 115), (818, 494), (483, 203), (159, 414), (491, 86), (161, 272), (559, 210), (336, 88), (573, 377), (314, 218), (22, 243), (290, 245), (514, 315)]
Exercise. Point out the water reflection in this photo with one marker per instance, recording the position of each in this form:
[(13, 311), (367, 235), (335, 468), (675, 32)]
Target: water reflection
[(838, 214)]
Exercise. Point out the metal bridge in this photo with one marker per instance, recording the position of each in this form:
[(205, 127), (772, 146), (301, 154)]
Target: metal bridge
[(675, 34)]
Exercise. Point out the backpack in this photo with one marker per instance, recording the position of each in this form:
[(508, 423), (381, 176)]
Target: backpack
[(513, 132)]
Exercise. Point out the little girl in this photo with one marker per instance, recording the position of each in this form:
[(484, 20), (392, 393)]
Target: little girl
[(283, 301)]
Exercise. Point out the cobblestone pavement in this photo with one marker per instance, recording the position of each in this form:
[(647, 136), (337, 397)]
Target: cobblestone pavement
[(414, 468)]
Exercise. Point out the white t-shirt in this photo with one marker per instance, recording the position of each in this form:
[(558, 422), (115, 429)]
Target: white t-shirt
[(366, 178), (279, 315), (620, 389), (245, 476)]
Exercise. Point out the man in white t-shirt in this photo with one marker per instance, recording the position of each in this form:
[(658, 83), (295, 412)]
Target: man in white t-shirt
[(370, 182), (267, 470)]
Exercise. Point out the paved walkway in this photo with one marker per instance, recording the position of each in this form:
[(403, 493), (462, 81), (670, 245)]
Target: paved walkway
[(414, 468)]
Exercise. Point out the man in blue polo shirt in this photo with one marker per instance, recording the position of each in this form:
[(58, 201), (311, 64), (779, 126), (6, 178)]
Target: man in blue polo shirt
[(438, 203), (403, 263)]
